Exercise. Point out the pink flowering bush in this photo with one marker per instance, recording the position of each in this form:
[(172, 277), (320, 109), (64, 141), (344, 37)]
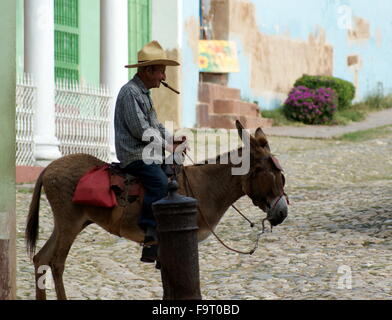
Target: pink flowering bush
[(311, 106)]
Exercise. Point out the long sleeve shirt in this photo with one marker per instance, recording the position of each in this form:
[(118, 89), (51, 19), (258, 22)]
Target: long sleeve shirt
[(136, 124)]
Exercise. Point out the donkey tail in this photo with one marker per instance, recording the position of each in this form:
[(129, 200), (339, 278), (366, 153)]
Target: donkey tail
[(31, 232)]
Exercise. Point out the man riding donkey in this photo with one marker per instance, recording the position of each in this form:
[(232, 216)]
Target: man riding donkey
[(134, 117)]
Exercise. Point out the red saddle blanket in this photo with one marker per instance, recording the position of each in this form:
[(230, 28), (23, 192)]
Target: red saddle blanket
[(97, 188), (94, 188)]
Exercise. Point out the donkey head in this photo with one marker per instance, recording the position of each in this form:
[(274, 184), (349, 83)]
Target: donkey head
[(264, 183)]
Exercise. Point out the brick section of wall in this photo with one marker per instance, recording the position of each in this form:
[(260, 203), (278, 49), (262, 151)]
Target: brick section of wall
[(236, 107), (220, 106), (208, 92), (202, 114)]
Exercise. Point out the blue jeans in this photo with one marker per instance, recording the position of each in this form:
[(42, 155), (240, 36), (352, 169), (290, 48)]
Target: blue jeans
[(155, 182)]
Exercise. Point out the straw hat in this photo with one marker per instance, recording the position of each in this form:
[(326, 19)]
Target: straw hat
[(152, 53)]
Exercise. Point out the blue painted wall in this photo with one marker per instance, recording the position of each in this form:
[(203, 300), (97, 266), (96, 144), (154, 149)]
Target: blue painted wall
[(303, 17)]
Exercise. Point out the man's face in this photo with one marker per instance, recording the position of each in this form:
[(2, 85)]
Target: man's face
[(155, 75)]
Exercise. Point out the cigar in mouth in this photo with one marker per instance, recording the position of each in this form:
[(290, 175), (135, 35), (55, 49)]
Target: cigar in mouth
[(167, 86)]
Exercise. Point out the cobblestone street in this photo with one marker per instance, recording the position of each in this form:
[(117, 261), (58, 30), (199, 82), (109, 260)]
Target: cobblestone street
[(335, 244)]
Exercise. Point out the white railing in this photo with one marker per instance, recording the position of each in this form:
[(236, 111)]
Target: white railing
[(83, 119), (25, 96)]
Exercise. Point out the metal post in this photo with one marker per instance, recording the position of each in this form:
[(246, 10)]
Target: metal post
[(7, 150), (178, 245)]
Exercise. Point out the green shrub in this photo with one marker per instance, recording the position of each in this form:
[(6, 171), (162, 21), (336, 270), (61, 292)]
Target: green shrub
[(345, 90)]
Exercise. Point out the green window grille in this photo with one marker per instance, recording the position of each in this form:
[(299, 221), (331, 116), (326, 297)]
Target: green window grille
[(139, 20), (66, 35)]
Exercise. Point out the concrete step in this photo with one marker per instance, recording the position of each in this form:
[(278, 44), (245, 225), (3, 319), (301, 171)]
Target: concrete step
[(208, 92), (220, 106), (235, 107)]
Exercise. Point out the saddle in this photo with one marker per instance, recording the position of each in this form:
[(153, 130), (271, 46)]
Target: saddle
[(109, 185), (128, 188)]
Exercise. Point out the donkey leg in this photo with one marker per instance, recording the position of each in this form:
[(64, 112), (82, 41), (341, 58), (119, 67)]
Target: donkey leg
[(41, 264), (57, 264), (63, 244), (40, 291), (57, 272)]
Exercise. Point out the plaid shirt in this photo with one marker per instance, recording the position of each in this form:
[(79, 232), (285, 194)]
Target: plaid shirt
[(134, 114)]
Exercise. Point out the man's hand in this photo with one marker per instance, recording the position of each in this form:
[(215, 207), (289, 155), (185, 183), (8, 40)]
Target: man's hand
[(170, 148), (181, 145), (178, 149)]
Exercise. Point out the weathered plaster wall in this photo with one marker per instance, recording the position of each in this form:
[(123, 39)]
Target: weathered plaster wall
[(166, 102), (278, 41), (360, 30), (277, 61), (166, 29)]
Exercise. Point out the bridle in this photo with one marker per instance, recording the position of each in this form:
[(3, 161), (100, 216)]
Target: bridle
[(277, 165), (189, 191)]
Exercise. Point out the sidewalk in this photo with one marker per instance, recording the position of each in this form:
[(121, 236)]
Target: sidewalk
[(374, 120)]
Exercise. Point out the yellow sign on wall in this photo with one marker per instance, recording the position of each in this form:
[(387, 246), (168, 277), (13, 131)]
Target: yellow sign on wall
[(218, 56)]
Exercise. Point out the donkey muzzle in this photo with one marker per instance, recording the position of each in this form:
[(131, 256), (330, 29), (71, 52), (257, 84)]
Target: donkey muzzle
[(278, 211)]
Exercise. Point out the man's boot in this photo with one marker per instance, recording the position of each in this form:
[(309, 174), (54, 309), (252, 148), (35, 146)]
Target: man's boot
[(150, 246)]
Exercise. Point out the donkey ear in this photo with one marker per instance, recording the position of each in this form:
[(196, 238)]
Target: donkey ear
[(244, 135), (259, 132), (246, 138), (261, 138), (241, 130), (239, 126)]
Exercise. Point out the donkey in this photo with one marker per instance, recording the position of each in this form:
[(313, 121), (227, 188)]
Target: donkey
[(213, 185)]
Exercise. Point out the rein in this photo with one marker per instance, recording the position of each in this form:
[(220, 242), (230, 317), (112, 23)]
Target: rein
[(250, 252)]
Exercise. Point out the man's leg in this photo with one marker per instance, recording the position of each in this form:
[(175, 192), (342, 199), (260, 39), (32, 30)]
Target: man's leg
[(155, 183)]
